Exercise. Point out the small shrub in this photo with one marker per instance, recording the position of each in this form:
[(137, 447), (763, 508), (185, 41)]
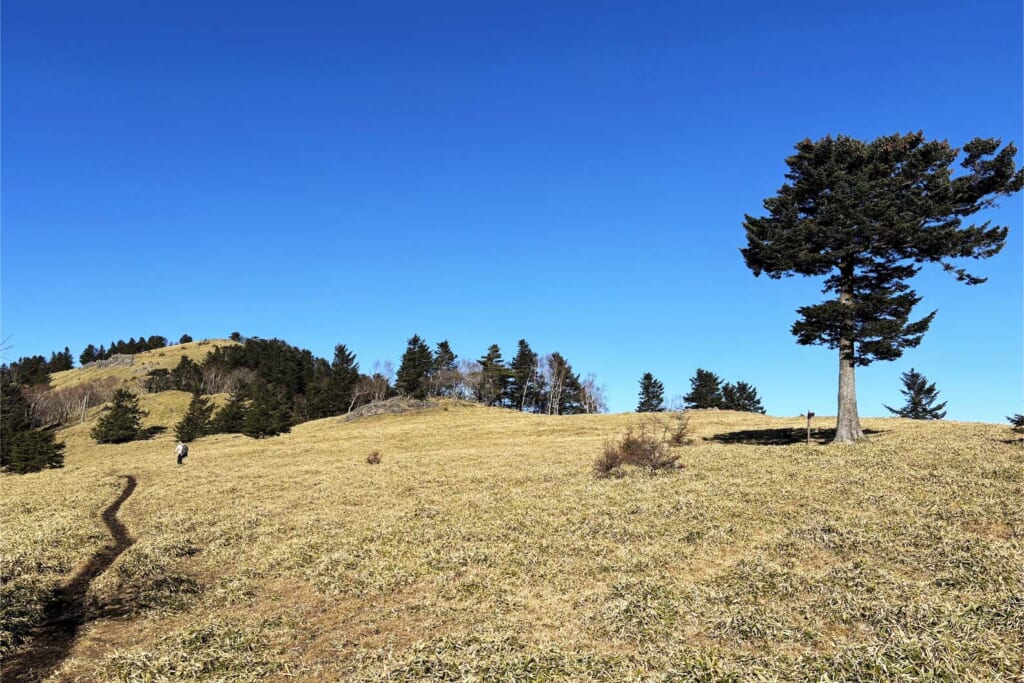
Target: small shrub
[(609, 463), (645, 445), (373, 458), (679, 430)]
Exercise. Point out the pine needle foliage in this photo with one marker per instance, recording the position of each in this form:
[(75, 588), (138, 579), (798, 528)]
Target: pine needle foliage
[(417, 362), (196, 421), (22, 448), (866, 216), (741, 397), (652, 395), (705, 390), (123, 420), (921, 397), (230, 419)]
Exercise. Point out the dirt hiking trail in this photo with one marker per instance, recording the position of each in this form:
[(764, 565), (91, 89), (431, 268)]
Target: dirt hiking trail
[(51, 640)]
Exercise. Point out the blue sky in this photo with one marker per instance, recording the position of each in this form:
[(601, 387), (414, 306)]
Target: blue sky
[(572, 173)]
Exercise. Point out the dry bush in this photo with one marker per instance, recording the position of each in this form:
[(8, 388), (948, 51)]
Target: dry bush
[(678, 429), (644, 445), (373, 458)]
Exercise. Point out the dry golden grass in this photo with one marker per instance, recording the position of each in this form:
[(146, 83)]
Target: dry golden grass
[(166, 358), (482, 548)]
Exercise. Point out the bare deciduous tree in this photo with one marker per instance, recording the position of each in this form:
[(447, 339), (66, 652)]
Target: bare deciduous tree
[(592, 394)]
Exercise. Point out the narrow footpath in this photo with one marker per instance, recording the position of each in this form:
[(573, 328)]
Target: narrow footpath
[(51, 640)]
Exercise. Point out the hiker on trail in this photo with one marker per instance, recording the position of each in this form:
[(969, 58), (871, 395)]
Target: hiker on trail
[(181, 451)]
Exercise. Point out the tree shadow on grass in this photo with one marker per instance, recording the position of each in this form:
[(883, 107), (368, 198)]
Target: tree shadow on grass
[(52, 639), (151, 432), (786, 436)]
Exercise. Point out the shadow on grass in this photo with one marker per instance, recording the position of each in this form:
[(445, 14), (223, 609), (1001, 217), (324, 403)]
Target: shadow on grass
[(51, 641), (150, 432), (786, 436)]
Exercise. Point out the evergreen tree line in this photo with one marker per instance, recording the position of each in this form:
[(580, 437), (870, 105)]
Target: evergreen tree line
[(91, 353), (273, 385), (707, 390), (529, 382), (23, 447), (32, 370)]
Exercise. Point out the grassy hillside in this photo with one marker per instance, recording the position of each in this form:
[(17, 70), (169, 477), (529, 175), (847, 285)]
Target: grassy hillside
[(483, 548), (166, 358)]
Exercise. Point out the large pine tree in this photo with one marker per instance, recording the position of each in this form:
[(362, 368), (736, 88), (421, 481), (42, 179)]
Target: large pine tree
[(123, 420), (494, 378), (331, 389), (921, 397), (196, 421), (564, 395), (412, 376), (269, 412), (742, 397), (866, 215), (525, 382), (22, 448), (187, 375), (652, 395), (88, 355), (230, 419), (705, 390), (444, 373)]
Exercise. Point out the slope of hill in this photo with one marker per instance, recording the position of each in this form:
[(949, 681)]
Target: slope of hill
[(166, 358), (483, 548)]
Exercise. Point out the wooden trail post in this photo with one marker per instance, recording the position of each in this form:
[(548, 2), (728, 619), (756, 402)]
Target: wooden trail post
[(809, 416)]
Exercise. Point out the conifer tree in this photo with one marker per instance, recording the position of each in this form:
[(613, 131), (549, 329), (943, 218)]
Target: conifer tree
[(705, 390), (268, 413), (196, 421), (230, 419), (60, 361), (494, 377), (89, 354), (22, 448), (333, 392), (564, 391), (187, 376), (867, 215), (525, 383), (30, 371), (185, 339), (921, 397), (652, 395), (1016, 422), (158, 380), (326, 390), (123, 420), (444, 372), (742, 397), (411, 379), (344, 373)]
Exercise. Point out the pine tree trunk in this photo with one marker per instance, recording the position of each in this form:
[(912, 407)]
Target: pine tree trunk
[(848, 422)]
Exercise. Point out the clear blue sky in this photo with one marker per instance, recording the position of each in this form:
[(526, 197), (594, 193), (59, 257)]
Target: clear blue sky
[(575, 173)]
